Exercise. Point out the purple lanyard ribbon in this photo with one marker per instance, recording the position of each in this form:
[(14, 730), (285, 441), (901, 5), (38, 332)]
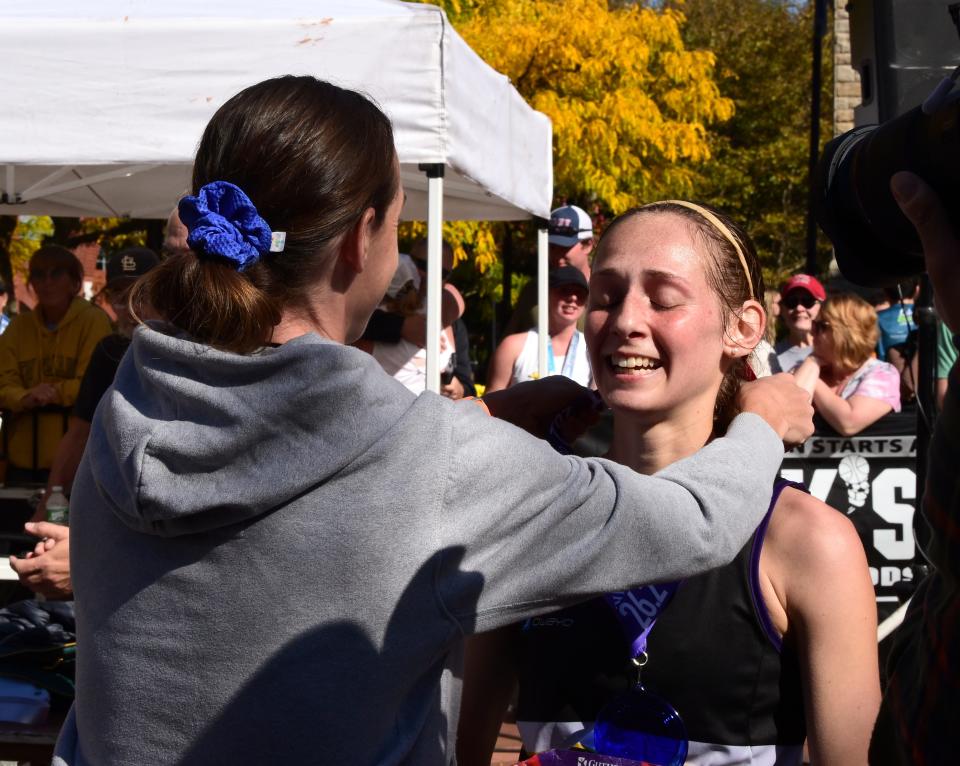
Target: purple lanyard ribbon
[(578, 758), (638, 610)]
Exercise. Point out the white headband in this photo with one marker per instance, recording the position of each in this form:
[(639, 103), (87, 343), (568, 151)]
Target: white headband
[(719, 226)]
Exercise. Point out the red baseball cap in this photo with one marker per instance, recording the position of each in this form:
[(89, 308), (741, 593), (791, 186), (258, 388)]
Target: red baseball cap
[(805, 282)]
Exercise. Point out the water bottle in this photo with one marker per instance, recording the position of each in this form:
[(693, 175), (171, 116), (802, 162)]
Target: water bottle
[(58, 509)]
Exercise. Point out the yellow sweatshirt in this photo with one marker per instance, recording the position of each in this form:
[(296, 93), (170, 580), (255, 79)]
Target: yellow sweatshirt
[(32, 354)]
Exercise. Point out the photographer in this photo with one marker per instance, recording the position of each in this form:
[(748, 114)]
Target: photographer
[(923, 694)]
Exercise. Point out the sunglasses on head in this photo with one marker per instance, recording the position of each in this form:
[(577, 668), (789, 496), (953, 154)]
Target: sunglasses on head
[(799, 298), (37, 275), (820, 325)]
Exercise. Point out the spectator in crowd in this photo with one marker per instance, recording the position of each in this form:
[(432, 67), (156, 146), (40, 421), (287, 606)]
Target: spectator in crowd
[(245, 442), (672, 319), (391, 328), (570, 242), (853, 389), (174, 236), (461, 384), (517, 357), (923, 689), (4, 298), (47, 569), (406, 296), (763, 360), (771, 302), (43, 355), (896, 322), (946, 359), (799, 306)]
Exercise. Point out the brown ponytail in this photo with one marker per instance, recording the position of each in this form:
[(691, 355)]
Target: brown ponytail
[(312, 157)]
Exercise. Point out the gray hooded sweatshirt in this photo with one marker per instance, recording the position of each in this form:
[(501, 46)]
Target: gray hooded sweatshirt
[(276, 556)]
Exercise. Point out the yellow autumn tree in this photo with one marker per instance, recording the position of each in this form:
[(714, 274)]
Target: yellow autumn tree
[(28, 234), (631, 106)]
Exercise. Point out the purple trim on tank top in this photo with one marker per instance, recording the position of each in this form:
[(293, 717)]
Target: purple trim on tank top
[(759, 605)]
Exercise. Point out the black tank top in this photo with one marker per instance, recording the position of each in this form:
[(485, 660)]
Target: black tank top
[(713, 654)]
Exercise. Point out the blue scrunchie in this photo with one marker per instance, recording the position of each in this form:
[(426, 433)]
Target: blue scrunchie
[(223, 222)]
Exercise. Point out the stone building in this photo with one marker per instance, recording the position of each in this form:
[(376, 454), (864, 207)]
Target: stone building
[(846, 79)]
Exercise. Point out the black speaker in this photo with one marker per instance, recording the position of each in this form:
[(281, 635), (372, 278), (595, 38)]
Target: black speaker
[(902, 49)]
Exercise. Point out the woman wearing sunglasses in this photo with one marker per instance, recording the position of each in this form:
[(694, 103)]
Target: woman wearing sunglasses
[(853, 389), (515, 359), (754, 657), (799, 306)]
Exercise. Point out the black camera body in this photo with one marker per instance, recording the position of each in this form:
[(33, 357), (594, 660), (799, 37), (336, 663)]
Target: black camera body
[(875, 244)]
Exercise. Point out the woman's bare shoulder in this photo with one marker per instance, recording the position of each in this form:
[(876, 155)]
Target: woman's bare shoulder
[(513, 343), (806, 535)]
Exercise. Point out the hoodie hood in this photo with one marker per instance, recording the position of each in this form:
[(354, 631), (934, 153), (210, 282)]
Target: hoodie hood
[(190, 438)]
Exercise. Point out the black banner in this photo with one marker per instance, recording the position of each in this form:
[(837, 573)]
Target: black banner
[(871, 479)]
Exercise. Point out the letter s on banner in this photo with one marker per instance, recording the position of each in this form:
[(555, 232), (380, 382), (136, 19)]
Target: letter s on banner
[(895, 546)]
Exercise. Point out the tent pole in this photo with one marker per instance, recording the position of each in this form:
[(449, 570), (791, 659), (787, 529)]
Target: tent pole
[(543, 311), (10, 196), (434, 172)]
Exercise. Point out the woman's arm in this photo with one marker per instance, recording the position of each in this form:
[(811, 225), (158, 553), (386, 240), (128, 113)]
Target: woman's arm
[(818, 569), (489, 679), (848, 416), (500, 373), (807, 373)]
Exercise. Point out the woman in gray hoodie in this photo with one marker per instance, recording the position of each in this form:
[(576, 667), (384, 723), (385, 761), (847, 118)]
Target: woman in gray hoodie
[(277, 548)]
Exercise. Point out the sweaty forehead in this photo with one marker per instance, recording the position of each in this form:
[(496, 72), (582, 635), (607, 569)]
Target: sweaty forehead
[(660, 236)]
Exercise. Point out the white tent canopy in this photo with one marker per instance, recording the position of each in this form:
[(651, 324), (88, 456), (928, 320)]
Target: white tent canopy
[(105, 102)]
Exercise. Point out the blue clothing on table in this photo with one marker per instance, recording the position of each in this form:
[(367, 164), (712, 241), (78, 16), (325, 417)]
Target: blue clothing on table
[(895, 324)]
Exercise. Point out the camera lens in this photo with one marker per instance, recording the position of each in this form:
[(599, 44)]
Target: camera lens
[(874, 242)]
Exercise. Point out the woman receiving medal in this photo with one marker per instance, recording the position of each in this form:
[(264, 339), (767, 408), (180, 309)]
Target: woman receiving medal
[(755, 657), (277, 548)]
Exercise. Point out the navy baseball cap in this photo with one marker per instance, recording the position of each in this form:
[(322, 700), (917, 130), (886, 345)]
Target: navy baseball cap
[(131, 262), (568, 225)]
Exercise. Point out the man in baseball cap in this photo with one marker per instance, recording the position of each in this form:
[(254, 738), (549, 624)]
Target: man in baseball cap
[(800, 299), (570, 238), (123, 269), (128, 265)]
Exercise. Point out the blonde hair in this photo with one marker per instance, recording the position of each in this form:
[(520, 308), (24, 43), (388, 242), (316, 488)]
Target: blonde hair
[(853, 327), (770, 331)]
